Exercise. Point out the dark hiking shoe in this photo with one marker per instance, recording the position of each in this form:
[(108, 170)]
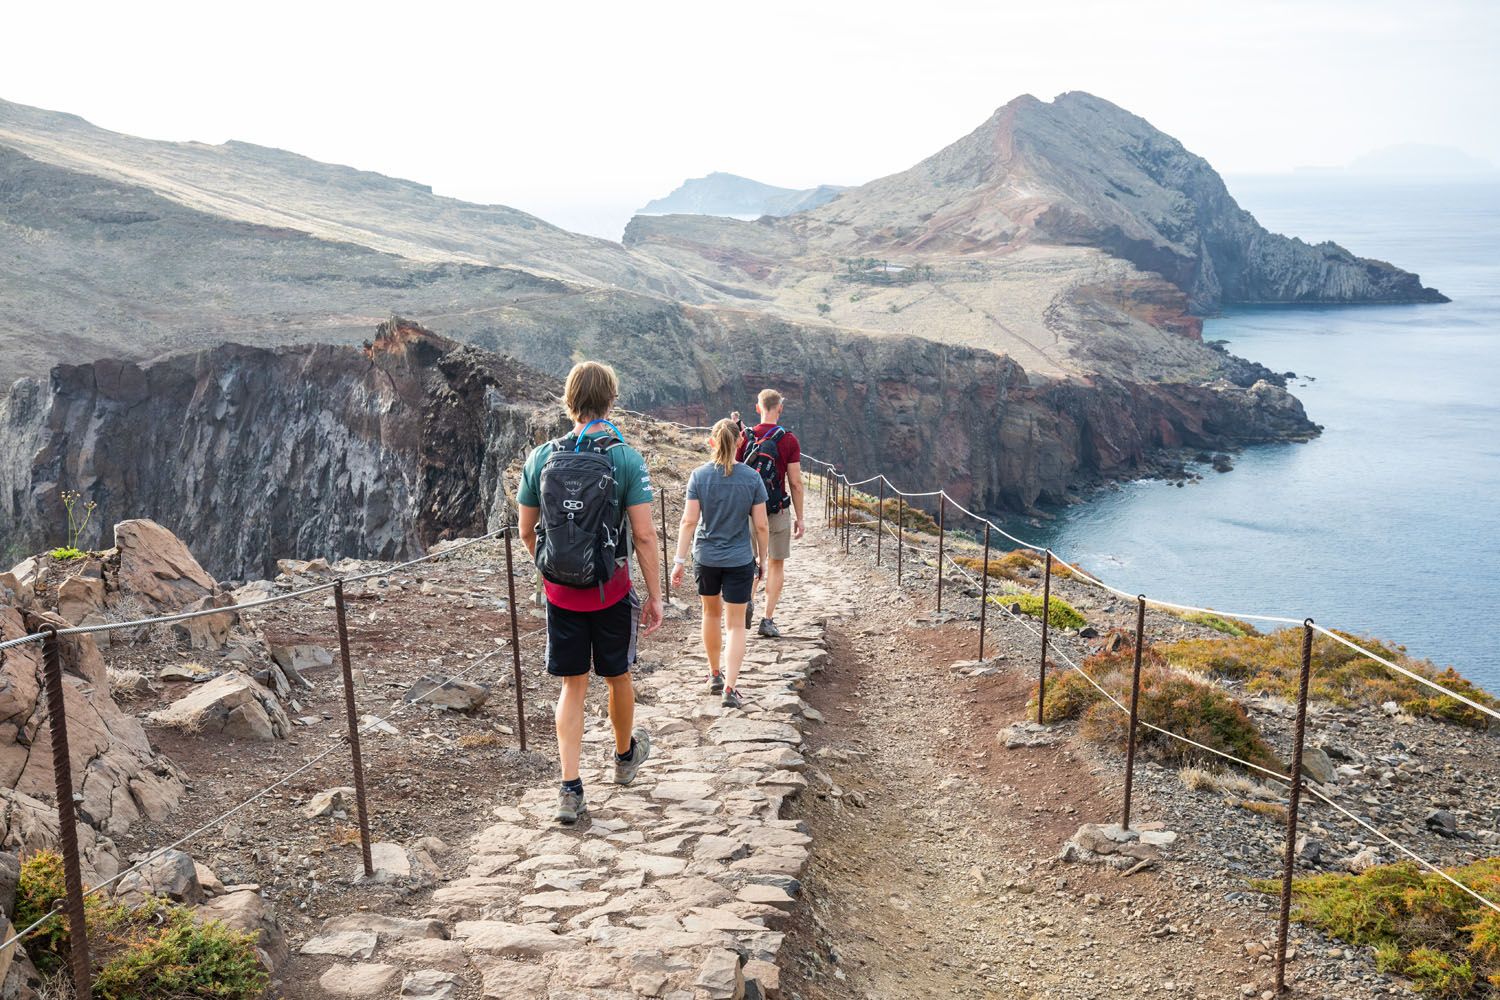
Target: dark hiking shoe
[(640, 749), (768, 629), (732, 699), (716, 684), (569, 806)]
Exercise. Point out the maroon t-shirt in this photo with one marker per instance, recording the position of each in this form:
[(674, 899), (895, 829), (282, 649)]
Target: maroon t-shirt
[(787, 449)]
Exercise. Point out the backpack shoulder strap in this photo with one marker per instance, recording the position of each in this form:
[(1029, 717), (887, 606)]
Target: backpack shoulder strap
[(777, 433)]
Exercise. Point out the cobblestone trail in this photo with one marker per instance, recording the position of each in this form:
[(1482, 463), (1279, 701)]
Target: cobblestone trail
[(677, 886)]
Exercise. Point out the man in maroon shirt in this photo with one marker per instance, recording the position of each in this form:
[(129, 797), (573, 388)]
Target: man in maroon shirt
[(785, 510)]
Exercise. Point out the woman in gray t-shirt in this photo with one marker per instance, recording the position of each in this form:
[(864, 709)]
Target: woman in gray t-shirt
[(725, 500)]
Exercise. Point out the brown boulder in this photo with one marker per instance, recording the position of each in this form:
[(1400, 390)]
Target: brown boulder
[(245, 910), (231, 704), (153, 566)]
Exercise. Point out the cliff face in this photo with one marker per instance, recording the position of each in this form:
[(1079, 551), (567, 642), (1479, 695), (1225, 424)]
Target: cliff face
[(252, 454), (1081, 171)]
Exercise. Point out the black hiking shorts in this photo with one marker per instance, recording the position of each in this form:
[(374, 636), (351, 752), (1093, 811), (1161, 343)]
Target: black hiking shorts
[(733, 583), (605, 639)]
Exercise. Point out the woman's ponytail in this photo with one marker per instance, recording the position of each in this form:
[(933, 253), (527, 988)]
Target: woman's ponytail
[(724, 440)]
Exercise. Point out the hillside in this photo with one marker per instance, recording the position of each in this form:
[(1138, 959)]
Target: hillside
[(887, 310), (729, 194)]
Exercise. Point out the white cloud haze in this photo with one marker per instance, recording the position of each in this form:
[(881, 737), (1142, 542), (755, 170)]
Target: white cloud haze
[(569, 110)]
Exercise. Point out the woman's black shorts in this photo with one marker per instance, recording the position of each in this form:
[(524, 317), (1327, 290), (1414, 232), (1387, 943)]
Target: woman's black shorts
[(734, 583)]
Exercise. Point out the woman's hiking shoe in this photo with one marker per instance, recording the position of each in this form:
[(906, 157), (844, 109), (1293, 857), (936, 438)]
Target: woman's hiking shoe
[(768, 629), (732, 699), (716, 684), (640, 749), (569, 805)]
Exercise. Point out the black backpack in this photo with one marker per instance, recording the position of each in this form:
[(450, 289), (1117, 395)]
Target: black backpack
[(762, 455), (580, 534)]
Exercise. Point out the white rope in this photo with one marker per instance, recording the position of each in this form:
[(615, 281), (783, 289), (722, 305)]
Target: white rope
[(1286, 779), (251, 605), (338, 744), (1193, 609), (1408, 673)]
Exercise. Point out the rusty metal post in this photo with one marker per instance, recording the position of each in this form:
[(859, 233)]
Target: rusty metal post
[(984, 589), (900, 537), (942, 532), (666, 571), (515, 638), (1292, 805), (357, 762), (67, 821), (879, 520), (1041, 677), (1135, 697)]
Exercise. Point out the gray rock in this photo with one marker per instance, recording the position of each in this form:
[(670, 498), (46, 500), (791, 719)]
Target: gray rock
[(230, 704), (333, 802), (431, 984), (171, 874), (1441, 822), (1317, 766), (301, 658), (444, 692), (363, 980)]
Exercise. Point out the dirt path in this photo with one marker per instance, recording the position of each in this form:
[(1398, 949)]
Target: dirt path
[(942, 883)]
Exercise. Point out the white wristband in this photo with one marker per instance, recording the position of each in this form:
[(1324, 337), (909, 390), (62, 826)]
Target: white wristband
[(679, 561)]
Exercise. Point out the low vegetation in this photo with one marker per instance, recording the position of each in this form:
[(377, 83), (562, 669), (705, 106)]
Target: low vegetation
[(1060, 614), (912, 518), (1232, 627), (152, 951), (1175, 701), (1019, 565), (1271, 664), (1420, 925)]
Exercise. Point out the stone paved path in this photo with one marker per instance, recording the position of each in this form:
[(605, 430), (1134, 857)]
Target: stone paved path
[(674, 887)]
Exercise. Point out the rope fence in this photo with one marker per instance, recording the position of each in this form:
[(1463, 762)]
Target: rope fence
[(72, 904), (840, 516)]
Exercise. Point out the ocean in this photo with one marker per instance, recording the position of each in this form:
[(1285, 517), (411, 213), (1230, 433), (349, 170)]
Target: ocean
[(1387, 525)]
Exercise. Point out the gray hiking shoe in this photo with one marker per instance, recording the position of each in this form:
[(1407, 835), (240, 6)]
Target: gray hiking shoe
[(768, 629), (569, 806), (732, 699), (625, 769), (716, 684)]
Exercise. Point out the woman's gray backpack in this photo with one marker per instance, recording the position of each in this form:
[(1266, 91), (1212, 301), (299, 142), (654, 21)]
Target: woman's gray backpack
[(580, 535)]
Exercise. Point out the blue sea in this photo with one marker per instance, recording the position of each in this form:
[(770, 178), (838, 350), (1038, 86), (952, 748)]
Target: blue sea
[(1389, 523)]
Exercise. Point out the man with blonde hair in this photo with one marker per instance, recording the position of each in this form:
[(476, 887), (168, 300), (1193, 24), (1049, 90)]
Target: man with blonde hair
[(585, 502), (773, 451)]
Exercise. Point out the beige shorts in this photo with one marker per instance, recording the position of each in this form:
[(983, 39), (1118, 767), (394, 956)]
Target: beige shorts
[(781, 534)]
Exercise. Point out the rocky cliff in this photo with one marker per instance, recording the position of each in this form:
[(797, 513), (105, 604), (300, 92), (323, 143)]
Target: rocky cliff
[(729, 194), (255, 453)]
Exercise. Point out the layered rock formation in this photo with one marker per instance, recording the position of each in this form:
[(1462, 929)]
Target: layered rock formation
[(316, 450)]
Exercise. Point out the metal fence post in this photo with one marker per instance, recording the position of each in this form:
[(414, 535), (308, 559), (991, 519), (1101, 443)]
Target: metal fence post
[(879, 520), (515, 638), (1135, 697), (848, 511), (357, 762), (67, 820), (1293, 803), (900, 536), (984, 589), (666, 572), (942, 532), (1041, 677)]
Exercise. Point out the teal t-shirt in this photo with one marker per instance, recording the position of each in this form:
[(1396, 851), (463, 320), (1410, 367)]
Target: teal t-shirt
[(632, 478)]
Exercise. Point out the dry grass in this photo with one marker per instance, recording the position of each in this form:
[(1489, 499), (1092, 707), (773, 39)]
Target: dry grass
[(472, 741)]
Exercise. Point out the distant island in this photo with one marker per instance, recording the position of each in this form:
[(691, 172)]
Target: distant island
[(732, 195)]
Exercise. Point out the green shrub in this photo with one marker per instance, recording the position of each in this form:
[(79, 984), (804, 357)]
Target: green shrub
[(1420, 925), (154, 951), (1170, 699), (864, 507), (67, 553), (1219, 623), (1060, 613), (1271, 664)]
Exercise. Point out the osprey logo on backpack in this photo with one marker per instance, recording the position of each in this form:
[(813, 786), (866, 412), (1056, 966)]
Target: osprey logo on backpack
[(581, 536), (763, 455)]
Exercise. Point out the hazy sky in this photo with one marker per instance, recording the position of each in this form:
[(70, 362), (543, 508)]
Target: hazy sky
[(580, 111)]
